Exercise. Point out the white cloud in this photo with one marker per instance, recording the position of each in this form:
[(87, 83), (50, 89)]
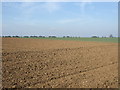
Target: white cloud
[(27, 4), (83, 5), (81, 20), (30, 7), (25, 9), (51, 6)]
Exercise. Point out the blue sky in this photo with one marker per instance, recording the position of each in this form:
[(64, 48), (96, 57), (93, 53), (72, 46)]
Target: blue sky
[(60, 18)]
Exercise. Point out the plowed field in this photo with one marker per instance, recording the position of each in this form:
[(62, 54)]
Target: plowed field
[(42, 63)]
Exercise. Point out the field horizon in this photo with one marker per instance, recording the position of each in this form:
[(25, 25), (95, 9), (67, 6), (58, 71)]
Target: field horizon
[(100, 39)]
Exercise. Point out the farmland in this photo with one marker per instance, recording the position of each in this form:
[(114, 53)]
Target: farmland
[(115, 39), (59, 63)]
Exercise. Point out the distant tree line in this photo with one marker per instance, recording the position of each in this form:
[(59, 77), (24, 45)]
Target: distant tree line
[(29, 36), (10, 36), (111, 36)]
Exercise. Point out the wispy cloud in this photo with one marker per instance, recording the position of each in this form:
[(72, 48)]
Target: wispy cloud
[(31, 7), (64, 21), (83, 5), (80, 20), (51, 6), (28, 10), (24, 10)]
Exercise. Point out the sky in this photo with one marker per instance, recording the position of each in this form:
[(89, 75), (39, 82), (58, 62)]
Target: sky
[(83, 19)]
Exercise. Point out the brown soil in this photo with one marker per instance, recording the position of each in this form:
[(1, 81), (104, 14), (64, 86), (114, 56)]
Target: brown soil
[(39, 63)]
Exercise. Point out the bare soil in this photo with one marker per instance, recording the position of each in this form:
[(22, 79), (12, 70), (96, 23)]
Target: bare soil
[(42, 63)]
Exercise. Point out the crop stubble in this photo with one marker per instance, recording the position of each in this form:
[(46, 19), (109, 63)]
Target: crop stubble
[(38, 63)]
